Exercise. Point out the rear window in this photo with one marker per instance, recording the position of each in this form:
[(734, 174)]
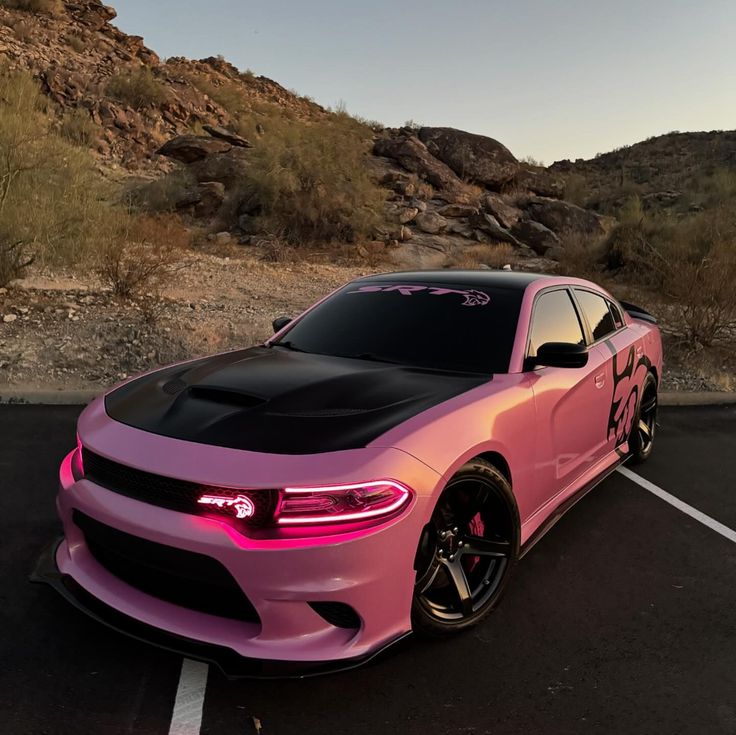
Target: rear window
[(431, 325), (597, 313)]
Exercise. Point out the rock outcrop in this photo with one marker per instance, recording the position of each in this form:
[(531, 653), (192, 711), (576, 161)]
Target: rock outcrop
[(475, 158)]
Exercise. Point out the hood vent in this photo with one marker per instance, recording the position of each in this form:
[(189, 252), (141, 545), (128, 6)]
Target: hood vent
[(228, 396)]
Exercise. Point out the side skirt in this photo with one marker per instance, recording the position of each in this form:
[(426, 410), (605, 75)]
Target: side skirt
[(563, 507)]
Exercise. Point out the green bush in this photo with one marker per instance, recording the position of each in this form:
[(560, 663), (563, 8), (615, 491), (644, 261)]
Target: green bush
[(137, 88), (311, 182), (52, 200)]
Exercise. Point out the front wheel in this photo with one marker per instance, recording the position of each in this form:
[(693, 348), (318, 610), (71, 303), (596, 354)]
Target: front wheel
[(466, 552)]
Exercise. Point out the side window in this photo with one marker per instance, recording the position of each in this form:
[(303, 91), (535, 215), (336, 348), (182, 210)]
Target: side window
[(618, 318), (554, 320), (596, 311)]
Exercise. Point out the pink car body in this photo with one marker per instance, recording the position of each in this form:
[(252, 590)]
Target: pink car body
[(554, 432)]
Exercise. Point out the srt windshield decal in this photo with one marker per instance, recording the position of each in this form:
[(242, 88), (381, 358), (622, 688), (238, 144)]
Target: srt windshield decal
[(626, 382), (471, 296)]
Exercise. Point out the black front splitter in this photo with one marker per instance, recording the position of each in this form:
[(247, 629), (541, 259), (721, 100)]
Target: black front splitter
[(231, 663)]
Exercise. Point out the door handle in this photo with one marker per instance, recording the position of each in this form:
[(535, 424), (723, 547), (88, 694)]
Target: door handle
[(600, 380)]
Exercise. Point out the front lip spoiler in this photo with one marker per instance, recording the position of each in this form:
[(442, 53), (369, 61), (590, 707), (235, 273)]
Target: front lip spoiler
[(231, 663)]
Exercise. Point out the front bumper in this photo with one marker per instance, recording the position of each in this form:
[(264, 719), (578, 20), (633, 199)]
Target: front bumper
[(227, 660), (369, 570)]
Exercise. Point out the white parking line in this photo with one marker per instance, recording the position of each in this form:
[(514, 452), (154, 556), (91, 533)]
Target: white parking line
[(706, 520), (187, 716)]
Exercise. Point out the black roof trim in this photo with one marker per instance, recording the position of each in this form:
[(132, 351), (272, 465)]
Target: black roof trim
[(495, 278)]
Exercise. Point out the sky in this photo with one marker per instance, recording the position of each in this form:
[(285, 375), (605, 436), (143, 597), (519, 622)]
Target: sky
[(551, 80)]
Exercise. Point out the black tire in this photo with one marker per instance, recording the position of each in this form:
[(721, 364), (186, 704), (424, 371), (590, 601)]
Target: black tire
[(641, 441), (455, 588)]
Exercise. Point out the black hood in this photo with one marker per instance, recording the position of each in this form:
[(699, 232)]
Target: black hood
[(278, 401)]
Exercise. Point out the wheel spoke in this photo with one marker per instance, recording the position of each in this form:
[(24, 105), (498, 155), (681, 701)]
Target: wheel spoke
[(649, 406), (428, 580), (456, 575), (478, 546), (645, 430)]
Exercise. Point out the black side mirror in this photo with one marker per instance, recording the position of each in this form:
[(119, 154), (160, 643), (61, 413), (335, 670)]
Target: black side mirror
[(561, 354), (280, 322)]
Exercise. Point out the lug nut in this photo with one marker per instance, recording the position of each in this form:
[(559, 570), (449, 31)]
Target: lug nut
[(455, 530), (461, 543), (443, 534)]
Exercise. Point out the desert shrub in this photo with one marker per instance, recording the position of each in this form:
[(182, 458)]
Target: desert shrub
[(78, 128), (576, 189), (52, 7), (53, 201), (77, 43), (226, 93), (137, 88), (698, 272), (13, 260), (311, 183), (690, 262), (142, 254), (162, 194)]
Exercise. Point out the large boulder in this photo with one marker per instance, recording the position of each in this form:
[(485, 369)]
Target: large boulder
[(228, 167), (489, 225), (472, 157), (534, 234), (506, 214), (563, 217), (192, 148), (540, 181), (412, 155), (227, 135), (431, 222)]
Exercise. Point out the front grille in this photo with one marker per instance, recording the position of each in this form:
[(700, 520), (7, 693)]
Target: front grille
[(184, 578), (168, 492)]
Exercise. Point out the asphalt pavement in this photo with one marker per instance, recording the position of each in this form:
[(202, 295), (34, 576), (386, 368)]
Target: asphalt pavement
[(621, 620)]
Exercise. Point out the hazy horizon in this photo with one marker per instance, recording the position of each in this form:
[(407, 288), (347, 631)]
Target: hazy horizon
[(563, 81)]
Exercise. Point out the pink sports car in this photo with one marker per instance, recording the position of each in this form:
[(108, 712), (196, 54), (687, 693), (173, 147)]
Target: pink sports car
[(377, 467)]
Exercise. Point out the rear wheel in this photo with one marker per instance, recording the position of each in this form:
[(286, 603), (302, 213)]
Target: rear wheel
[(466, 552), (641, 441)]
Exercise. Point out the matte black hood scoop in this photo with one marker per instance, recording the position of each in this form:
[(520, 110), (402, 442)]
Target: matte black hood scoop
[(277, 401)]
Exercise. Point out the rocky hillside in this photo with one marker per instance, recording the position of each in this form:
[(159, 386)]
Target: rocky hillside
[(79, 56), (664, 171), (446, 188)]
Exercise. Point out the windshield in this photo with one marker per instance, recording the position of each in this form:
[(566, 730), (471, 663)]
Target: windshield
[(431, 325)]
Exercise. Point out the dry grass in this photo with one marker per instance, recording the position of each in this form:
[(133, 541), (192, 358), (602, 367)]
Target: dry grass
[(472, 257), (78, 128), (137, 88)]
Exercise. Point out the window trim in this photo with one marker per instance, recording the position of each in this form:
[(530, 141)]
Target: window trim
[(590, 342), (576, 309)]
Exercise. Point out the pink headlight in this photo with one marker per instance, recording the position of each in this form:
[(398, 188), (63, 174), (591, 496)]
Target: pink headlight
[(337, 503)]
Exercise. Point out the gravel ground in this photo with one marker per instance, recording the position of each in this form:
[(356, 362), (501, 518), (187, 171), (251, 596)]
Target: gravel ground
[(66, 330)]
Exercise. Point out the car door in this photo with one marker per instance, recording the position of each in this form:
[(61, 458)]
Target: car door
[(572, 404), (626, 363)]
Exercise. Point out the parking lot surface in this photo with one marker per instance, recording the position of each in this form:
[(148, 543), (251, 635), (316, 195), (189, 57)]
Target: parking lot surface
[(621, 620)]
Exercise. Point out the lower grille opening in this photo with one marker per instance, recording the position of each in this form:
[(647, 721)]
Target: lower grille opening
[(337, 613), (184, 578)]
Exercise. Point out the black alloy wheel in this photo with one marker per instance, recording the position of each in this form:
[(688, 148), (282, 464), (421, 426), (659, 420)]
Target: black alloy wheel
[(466, 552), (641, 441)]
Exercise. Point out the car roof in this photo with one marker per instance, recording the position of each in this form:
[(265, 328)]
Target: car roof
[(494, 278)]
